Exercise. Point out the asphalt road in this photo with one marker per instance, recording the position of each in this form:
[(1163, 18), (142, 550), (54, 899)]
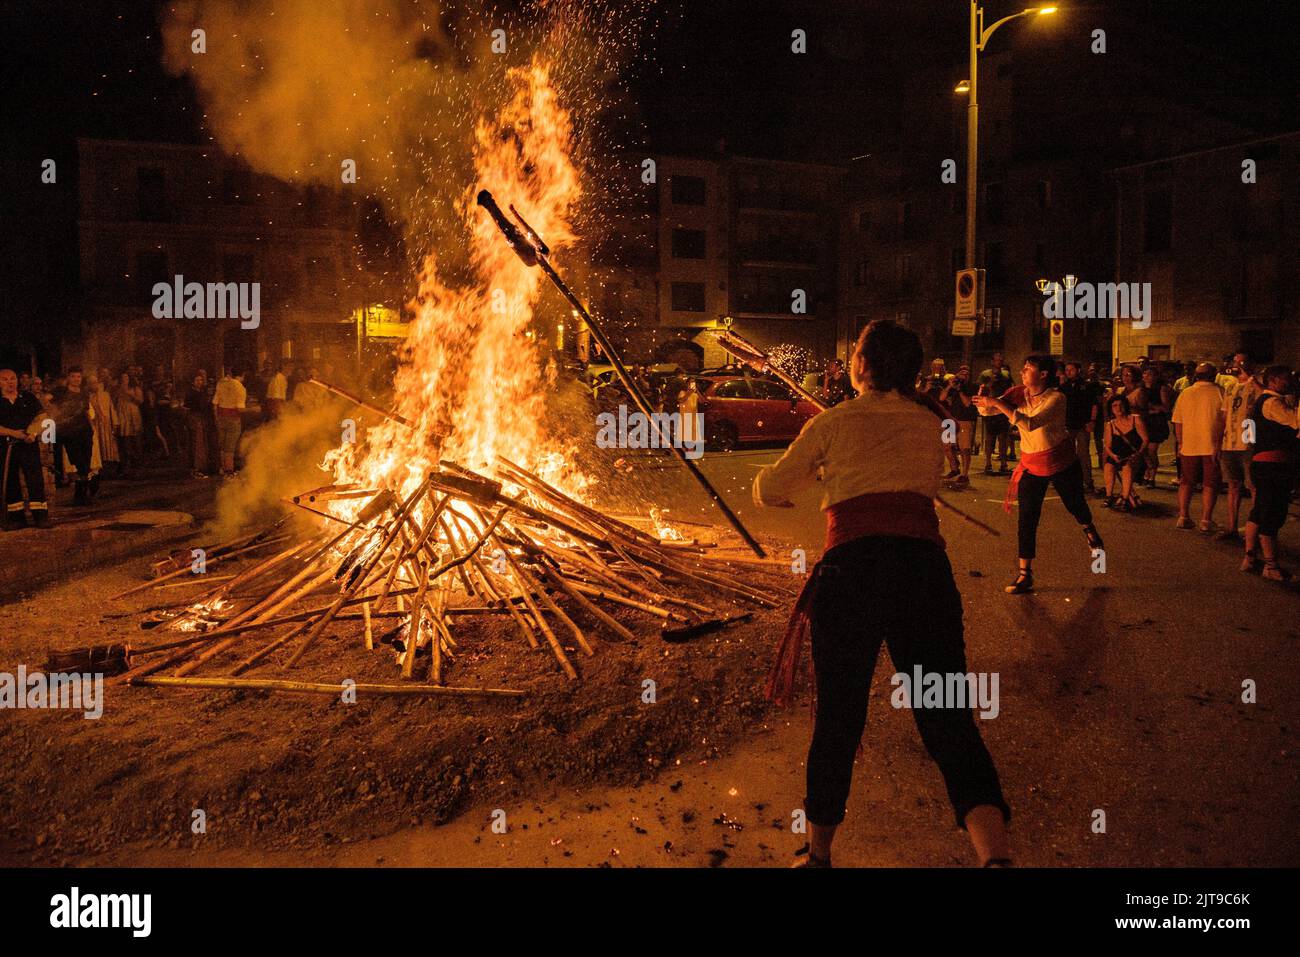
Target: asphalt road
[(1120, 692)]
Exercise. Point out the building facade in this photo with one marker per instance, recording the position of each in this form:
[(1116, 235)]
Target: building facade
[(751, 244), (1061, 121), (149, 212), (1217, 235)]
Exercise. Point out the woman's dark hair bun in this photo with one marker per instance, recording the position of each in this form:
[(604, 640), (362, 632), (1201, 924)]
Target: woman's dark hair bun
[(893, 354)]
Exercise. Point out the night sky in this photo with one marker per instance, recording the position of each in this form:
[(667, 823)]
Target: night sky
[(75, 68), (707, 72)]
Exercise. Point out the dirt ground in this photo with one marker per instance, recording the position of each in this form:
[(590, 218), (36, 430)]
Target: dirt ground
[(280, 772), (1120, 692)]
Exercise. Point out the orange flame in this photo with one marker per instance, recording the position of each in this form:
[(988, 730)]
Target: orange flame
[(471, 378)]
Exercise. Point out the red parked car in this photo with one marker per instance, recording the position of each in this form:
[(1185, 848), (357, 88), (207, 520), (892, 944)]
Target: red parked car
[(742, 409)]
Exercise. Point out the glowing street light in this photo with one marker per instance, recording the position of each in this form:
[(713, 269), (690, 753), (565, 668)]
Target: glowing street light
[(979, 38)]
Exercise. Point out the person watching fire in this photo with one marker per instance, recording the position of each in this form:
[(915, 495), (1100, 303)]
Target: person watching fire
[(229, 401), (884, 578), (22, 458)]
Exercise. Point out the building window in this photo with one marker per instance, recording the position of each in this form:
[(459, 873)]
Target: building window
[(861, 220), (236, 186), (903, 268), (907, 220), (151, 193), (994, 202), (237, 267), (1044, 194), (993, 262), (1158, 220), (687, 190), (688, 296), (860, 273), (1258, 344), (688, 244), (151, 267), (315, 202), (1259, 287), (321, 269)]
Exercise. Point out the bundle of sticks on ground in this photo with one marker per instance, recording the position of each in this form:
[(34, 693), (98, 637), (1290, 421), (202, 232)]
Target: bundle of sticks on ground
[(414, 571)]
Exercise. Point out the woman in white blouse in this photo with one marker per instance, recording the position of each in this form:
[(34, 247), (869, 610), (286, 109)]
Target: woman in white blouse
[(884, 578), (1047, 457)]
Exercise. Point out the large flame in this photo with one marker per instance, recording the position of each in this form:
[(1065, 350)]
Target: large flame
[(472, 379)]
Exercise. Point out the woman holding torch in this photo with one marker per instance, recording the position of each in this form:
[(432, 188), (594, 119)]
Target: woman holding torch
[(884, 577), (1047, 457)]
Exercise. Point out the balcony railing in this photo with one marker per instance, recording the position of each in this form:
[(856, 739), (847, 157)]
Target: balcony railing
[(779, 251), (777, 200)]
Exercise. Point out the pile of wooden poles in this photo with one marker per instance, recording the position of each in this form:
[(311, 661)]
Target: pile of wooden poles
[(413, 570)]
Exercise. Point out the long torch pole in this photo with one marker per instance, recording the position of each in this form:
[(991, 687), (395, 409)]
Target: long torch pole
[(755, 358), (534, 252), (972, 157)]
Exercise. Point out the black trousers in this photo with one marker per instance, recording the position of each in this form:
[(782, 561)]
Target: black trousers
[(900, 592), (24, 465), (1068, 484), (1272, 496), (79, 446)]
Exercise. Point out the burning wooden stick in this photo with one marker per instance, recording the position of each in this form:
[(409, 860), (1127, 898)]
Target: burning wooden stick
[(357, 580), (752, 356), (188, 570), (311, 687), (533, 251), (362, 403), (623, 600), (413, 628), (525, 589)]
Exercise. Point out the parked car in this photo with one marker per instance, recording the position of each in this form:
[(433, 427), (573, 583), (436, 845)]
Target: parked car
[(602, 376), (750, 409)]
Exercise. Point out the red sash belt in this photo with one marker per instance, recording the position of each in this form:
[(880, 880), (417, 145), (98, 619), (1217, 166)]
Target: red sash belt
[(1277, 455), (902, 514), (229, 413), (1041, 464)]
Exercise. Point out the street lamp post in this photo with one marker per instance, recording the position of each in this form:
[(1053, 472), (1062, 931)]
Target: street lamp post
[(979, 38)]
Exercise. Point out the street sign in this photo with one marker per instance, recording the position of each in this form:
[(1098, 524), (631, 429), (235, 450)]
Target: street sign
[(1057, 330), (963, 327), (969, 288)]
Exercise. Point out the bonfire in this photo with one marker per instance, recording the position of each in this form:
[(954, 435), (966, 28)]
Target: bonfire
[(457, 505)]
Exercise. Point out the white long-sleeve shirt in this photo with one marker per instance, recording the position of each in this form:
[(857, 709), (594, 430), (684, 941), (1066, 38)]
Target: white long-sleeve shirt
[(878, 442), (1041, 421), (1275, 408)]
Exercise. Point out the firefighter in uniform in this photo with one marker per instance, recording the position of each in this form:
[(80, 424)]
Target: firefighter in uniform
[(22, 457)]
